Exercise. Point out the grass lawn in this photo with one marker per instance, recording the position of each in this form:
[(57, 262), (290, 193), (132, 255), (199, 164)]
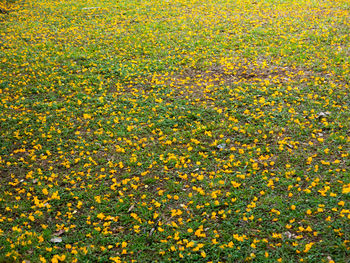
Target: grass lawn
[(174, 131)]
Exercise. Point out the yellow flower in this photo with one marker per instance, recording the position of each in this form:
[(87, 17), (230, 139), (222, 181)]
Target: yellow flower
[(98, 199), (308, 247), (346, 189), (86, 116), (235, 184), (115, 259), (55, 196), (101, 216)]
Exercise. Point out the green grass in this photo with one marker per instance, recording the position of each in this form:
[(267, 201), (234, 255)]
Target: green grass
[(174, 131)]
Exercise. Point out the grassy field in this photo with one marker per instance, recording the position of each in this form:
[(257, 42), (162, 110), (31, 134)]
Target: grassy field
[(174, 131)]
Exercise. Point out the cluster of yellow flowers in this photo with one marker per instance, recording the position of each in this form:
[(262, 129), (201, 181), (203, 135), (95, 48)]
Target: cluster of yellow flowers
[(199, 131)]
